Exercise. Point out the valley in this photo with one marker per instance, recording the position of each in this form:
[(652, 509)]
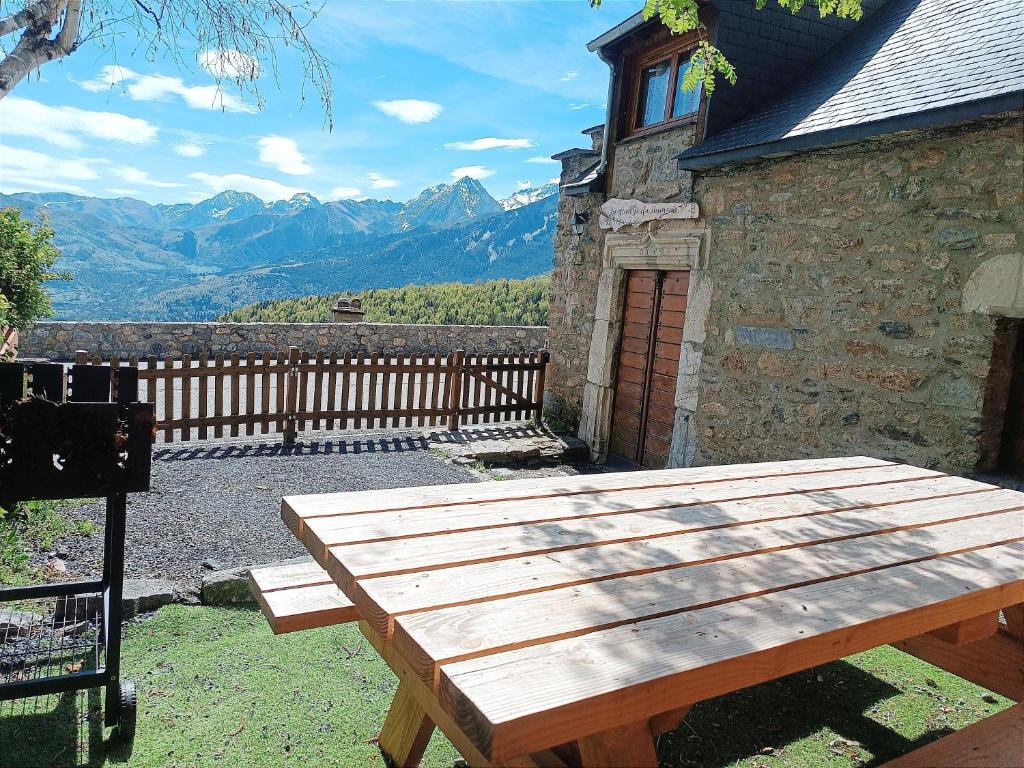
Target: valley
[(133, 260)]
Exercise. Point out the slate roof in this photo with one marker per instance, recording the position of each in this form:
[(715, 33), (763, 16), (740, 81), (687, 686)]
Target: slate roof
[(913, 64)]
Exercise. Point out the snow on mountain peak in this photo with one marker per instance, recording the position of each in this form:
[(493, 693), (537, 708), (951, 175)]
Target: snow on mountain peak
[(530, 195)]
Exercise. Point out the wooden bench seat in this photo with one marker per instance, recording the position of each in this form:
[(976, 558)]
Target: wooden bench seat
[(299, 596), (995, 742)]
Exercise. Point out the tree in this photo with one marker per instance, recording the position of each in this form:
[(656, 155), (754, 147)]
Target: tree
[(233, 39), (707, 62), (27, 259)]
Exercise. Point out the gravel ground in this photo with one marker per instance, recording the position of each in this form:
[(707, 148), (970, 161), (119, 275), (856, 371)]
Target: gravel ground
[(221, 500)]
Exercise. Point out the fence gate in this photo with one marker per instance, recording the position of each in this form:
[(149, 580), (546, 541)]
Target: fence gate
[(291, 391)]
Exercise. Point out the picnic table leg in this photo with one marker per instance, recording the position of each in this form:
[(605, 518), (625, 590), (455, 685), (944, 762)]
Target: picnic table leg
[(406, 731), (630, 745), (1014, 616)]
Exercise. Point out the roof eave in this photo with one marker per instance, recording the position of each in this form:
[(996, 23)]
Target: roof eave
[(617, 32), (692, 160)]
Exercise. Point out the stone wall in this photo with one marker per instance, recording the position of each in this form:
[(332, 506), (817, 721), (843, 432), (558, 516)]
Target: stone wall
[(59, 340), (837, 323)]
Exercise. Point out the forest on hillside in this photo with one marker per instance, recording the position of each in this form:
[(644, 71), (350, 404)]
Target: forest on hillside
[(494, 302)]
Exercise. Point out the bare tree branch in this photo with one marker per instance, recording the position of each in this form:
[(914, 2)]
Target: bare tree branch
[(235, 41)]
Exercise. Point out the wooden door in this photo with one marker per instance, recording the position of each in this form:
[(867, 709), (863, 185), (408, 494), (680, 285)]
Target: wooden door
[(652, 331), (1012, 454)]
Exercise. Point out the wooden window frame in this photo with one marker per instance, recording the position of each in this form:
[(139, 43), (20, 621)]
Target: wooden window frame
[(674, 51)]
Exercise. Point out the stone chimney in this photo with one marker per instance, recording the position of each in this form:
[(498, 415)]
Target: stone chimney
[(347, 310)]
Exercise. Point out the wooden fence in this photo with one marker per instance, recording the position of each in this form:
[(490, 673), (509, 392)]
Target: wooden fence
[(291, 391)]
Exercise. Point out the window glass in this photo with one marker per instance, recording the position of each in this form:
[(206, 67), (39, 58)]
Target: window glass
[(686, 102), (653, 94)]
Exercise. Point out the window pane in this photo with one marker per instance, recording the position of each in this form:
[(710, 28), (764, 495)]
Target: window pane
[(653, 94), (686, 101)]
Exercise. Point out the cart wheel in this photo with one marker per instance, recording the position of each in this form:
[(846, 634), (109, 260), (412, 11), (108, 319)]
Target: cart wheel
[(126, 716)]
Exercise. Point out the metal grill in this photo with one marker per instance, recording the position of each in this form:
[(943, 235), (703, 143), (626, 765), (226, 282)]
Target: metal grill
[(51, 636)]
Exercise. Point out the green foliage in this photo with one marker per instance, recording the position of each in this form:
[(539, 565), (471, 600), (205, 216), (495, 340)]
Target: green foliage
[(707, 62), (27, 258), (495, 302), (32, 527)]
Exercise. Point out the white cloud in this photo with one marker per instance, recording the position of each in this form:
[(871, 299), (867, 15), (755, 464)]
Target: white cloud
[(163, 87), (572, 74), (24, 169), (523, 184), (137, 176), (578, 105), (266, 189), (283, 154), (540, 159), (473, 171), (122, 191), (344, 193), (380, 181), (410, 110), (230, 63), (489, 142), (190, 149), (65, 126)]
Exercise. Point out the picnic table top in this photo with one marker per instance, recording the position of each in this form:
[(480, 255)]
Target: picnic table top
[(539, 611)]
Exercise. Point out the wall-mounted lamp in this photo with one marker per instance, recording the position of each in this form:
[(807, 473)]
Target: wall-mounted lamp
[(578, 225)]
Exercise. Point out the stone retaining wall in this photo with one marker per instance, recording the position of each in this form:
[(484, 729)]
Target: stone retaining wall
[(59, 340)]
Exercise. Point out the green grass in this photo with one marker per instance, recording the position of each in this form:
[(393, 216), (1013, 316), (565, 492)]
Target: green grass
[(218, 689), (32, 527)]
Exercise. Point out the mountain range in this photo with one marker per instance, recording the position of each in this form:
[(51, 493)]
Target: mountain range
[(131, 260)]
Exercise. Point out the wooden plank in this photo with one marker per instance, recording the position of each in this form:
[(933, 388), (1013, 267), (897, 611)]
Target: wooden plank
[(203, 394), (250, 392), (967, 632), (151, 382), (234, 379), (995, 662), (406, 732), (297, 508), (413, 374), (357, 369), (424, 363), (304, 574), (318, 388), (435, 401), (303, 405), (218, 392), (186, 398), (265, 379), (372, 392), (428, 640), (995, 742), (524, 700), (396, 393), (332, 385), (346, 387), (1014, 617), (667, 722), (624, 745), (282, 368), (431, 706), (168, 400), (309, 607), (648, 512)]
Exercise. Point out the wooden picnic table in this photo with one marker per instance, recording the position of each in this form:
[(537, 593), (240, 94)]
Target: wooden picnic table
[(566, 620)]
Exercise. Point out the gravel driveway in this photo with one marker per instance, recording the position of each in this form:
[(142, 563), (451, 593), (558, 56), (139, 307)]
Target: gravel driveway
[(221, 500)]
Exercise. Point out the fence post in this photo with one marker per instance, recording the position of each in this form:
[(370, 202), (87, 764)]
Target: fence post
[(81, 357), (291, 396), (455, 404), (538, 414)]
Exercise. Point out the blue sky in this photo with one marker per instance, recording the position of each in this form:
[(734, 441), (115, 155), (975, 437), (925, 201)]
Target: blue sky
[(424, 91)]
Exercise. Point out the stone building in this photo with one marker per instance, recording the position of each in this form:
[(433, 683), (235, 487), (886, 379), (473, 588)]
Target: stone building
[(824, 259)]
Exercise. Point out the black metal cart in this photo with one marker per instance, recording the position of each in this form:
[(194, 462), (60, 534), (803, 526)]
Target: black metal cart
[(71, 432)]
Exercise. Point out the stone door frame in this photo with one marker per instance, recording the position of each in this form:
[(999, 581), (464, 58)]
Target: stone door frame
[(667, 248)]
